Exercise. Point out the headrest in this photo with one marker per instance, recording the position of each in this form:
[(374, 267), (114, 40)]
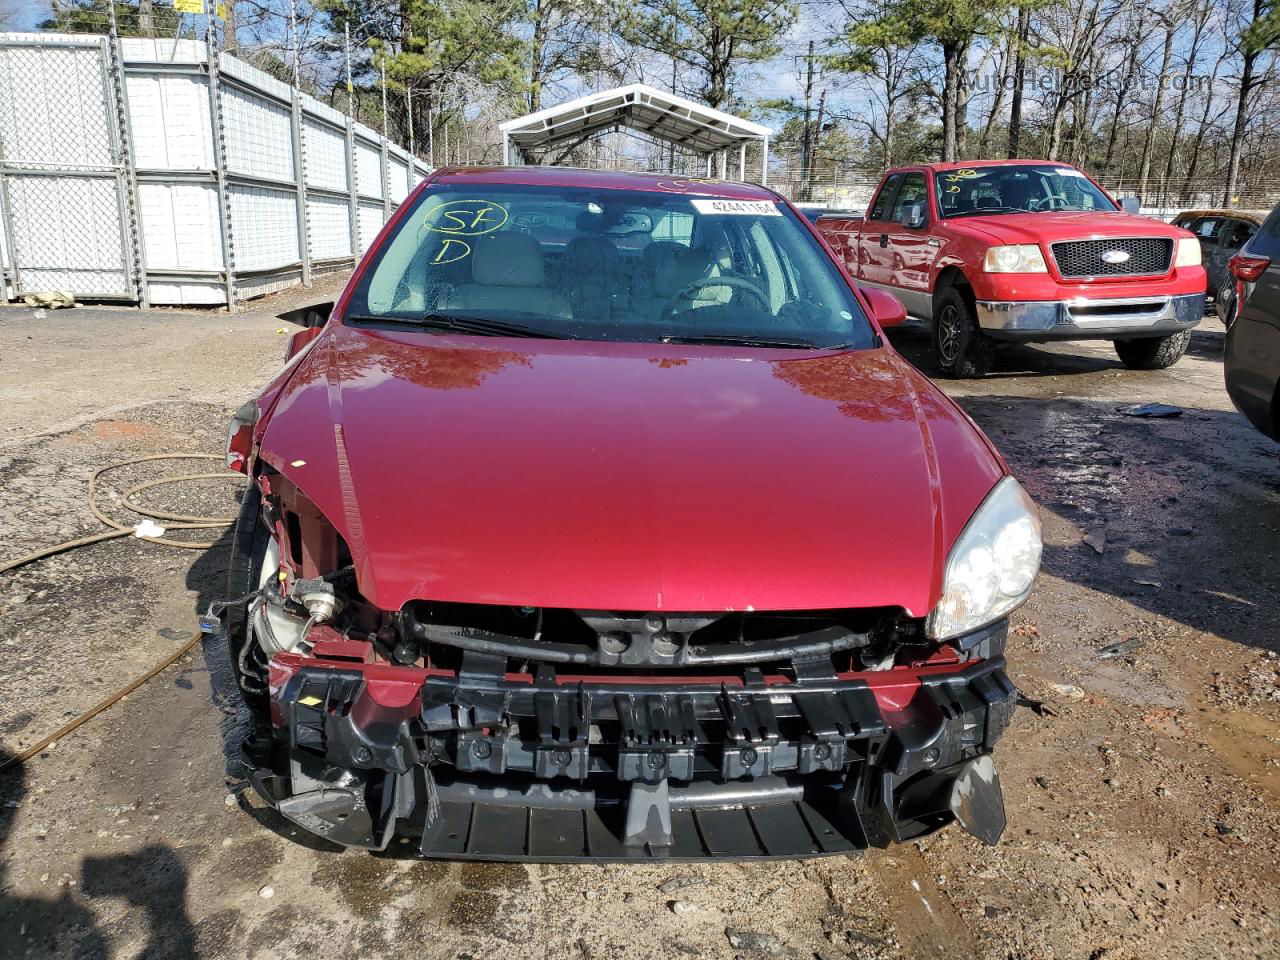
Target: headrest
[(591, 253), (653, 251), (507, 259), (676, 267)]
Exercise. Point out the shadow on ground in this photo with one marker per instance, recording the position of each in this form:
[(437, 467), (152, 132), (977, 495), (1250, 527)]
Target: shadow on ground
[(1031, 360), (1188, 507), (152, 880)]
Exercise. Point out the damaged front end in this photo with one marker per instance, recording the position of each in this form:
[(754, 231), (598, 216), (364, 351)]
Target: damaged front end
[(497, 732)]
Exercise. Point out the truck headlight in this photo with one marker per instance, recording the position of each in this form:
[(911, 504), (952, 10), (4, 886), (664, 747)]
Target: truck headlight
[(1188, 254), (992, 565), (1017, 258)]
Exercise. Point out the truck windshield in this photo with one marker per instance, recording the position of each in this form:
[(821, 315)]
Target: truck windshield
[(621, 265), (1017, 188)]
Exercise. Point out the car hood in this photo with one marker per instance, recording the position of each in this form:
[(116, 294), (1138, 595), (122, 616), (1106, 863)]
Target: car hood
[(637, 477), (1051, 227)]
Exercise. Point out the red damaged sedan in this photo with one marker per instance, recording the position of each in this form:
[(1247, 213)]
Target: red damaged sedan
[(598, 520)]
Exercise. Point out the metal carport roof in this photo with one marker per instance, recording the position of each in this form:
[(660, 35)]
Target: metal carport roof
[(646, 109)]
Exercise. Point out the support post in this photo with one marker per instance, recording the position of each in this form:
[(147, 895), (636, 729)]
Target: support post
[(506, 149), (132, 202), (386, 181), (300, 188), (11, 280), (352, 192), (220, 170), (764, 161), (742, 161)]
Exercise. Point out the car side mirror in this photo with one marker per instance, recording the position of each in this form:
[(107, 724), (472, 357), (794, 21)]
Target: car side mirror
[(885, 307), (312, 315), (1130, 204), (914, 216)]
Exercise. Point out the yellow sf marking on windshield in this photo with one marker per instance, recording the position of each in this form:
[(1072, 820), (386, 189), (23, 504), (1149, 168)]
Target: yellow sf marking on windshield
[(467, 218)]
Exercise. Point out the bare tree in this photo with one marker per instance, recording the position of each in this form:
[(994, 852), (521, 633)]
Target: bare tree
[(1251, 51), (1148, 143)]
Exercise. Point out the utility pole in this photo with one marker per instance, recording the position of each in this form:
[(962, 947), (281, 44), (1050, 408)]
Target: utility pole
[(408, 110), (817, 139), (1019, 78), (293, 39), (346, 48), (806, 143)]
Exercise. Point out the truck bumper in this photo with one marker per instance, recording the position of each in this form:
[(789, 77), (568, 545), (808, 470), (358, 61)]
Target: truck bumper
[(1083, 318), (548, 768)]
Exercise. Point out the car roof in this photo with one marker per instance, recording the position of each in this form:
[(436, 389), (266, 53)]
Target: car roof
[(1245, 215), (601, 180)]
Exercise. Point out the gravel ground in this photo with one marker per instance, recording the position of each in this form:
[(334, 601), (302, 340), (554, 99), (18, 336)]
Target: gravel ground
[(1143, 798)]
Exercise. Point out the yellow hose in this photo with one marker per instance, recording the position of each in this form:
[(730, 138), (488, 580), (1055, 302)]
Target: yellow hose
[(123, 530)]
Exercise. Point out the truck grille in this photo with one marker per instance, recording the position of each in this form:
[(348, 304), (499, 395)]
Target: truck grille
[(1147, 256)]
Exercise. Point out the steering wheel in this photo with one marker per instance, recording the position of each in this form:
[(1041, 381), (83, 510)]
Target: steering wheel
[(1050, 201), (736, 283)]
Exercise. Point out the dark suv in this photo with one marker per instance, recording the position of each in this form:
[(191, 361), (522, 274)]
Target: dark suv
[(1253, 341)]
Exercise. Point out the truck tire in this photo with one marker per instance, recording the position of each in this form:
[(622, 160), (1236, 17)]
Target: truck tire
[(1153, 353), (244, 569), (961, 348)]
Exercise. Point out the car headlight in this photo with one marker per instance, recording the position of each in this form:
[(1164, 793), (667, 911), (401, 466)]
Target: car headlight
[(992, 565), (1188, 254), (1017, 258)]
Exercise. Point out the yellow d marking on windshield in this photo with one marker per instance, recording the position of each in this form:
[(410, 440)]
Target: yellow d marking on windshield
[(466, 218), (451, 250)]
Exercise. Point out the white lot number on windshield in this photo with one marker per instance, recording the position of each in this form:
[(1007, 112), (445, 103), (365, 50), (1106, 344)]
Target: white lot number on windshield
[(746, 208)]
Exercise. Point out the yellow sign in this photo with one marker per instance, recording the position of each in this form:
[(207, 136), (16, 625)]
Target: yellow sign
[(220, 10), (189, 6)]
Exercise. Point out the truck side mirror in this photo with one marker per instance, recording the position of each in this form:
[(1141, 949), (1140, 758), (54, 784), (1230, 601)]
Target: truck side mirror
[(914, 217), (1130, 204)]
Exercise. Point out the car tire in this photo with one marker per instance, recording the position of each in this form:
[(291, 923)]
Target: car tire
[(1224, 303), (244, 570), (960, 347), (1153, 353)]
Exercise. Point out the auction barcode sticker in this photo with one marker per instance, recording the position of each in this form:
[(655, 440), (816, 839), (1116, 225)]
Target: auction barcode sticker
[(743, 208)]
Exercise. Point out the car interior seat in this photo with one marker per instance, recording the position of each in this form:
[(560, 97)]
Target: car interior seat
[(668, 267), (590, 271), (508, 272)]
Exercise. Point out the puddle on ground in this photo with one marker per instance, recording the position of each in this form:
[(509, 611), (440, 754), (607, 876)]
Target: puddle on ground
[(927, 923), (1249, 744)]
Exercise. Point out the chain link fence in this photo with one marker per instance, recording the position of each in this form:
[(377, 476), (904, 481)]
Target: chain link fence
[(160, 171)]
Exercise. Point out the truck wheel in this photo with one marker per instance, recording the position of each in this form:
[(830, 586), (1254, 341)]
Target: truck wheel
[(1153, 353), (244, 569), (961, 348)]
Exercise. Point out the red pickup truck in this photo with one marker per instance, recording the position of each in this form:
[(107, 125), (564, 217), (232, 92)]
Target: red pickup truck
[(1027, 251)]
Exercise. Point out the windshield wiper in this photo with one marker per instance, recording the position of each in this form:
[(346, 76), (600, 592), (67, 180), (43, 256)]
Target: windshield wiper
[(478, 325), (738, 339), (980, 210)]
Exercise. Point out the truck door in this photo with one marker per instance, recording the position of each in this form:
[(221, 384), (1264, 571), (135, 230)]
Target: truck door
[(873, 241), (911, 249)]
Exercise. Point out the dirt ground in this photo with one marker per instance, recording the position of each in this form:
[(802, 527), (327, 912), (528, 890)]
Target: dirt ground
[(1143, 800)]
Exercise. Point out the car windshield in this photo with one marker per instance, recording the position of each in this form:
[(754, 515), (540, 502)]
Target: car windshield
[(1017, 188), (621, 265)]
